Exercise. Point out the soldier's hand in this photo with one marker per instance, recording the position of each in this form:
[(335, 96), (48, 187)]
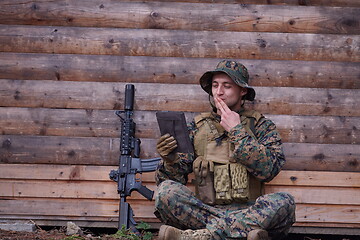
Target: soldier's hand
[(165, 147), (229, 119)]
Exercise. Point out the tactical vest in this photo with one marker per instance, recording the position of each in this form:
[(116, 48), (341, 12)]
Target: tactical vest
[(219, 179)]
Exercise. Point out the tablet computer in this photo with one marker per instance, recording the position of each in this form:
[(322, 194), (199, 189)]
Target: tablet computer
[(174, 123)]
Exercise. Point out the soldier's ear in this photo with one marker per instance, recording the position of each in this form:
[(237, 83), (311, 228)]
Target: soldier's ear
[(243, 93)]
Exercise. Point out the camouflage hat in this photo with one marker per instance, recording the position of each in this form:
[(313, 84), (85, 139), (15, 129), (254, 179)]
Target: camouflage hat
[(235, 70)]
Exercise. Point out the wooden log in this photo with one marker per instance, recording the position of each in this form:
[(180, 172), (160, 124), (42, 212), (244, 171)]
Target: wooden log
[(60, 150), (326, 227), (103, 68), (105, 151), (335, 129), (314, 213), (17, 206), (84, 209), (107, 210), (170, 97), (319, 195), (74, 122), (340, 3), (65, 172), (107, 190), (315, 178), (322, 157), (64, 189), (311, 193), (185, 16), (179, 43), (100, 174), (104, 123)]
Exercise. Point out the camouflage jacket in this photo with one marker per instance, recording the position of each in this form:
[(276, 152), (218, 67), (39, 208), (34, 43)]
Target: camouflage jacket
[(263, 157)]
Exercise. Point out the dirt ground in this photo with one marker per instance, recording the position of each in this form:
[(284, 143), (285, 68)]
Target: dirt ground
[(46, 235), (59, 234)]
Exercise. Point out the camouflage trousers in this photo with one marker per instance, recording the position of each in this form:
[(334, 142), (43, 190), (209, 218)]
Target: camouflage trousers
[(176, 205)]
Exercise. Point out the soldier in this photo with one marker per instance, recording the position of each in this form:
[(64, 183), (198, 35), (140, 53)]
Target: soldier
[(235, 152)]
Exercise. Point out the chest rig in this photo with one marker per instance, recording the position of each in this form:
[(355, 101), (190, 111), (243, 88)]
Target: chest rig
[(219, 179)]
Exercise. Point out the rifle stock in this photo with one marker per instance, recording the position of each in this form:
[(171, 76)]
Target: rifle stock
[(129, 163)]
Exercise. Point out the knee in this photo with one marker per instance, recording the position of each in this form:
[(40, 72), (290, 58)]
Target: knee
[(165, 191), (288, 200), (287, 203), (281, 200)]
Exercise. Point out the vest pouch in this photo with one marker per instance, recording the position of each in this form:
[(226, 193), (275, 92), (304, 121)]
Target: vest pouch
[(217, 153), (240, 183), (222, 184), (204, 180)]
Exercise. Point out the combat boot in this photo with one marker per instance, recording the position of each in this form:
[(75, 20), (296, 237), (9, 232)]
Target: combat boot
[(258, 234), (171, 233)]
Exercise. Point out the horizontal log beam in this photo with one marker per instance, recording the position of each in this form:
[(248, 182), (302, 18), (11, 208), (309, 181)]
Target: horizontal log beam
[(105, 151), (65, 189), (101, 174), (170, 70), (325, 214), (184, 16), (316, 178), (320, 195), (170, 97), (102, 209), (107, 190), (179, 43), (104, 123), (339, 3), (84, 209)]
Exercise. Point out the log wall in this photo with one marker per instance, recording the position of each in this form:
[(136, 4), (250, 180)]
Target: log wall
[(64, 65)]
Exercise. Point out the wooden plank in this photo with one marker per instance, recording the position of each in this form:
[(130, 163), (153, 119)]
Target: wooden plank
[(350, 226), (73, 122), (317, 129), (322, 157), (62, 150), (105, 68), (307, 214), (185, 16), (179, 43), (327, 229), (86, 208), (320, 195), (104, 123), (345, 3), (64, 189), (101, 173), (107, 190), (325, 214), (59, 172), (97, 95), (105, 151), (316, 178)]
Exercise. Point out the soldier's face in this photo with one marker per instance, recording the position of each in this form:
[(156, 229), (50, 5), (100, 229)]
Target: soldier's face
[(225, 88)]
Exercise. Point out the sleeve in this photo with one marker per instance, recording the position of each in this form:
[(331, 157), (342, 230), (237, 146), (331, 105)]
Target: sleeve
[(179, 170), (263, 157)]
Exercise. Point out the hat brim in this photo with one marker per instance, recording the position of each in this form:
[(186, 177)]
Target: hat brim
[(206, 79)]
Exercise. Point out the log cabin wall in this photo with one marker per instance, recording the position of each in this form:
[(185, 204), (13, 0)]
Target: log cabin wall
[(64, 65)]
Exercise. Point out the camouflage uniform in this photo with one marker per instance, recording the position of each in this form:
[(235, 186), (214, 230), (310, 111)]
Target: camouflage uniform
[(177, 205)]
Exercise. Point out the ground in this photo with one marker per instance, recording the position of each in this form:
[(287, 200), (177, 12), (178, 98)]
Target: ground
[(59, 234)]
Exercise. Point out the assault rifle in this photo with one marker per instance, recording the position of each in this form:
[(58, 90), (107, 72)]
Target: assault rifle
[(129, 163)]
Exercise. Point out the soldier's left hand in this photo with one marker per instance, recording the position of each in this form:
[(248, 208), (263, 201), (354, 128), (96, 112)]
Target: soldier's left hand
[(229, 118)]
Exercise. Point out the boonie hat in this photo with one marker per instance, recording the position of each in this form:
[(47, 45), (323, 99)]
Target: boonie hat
[(235, 70)]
